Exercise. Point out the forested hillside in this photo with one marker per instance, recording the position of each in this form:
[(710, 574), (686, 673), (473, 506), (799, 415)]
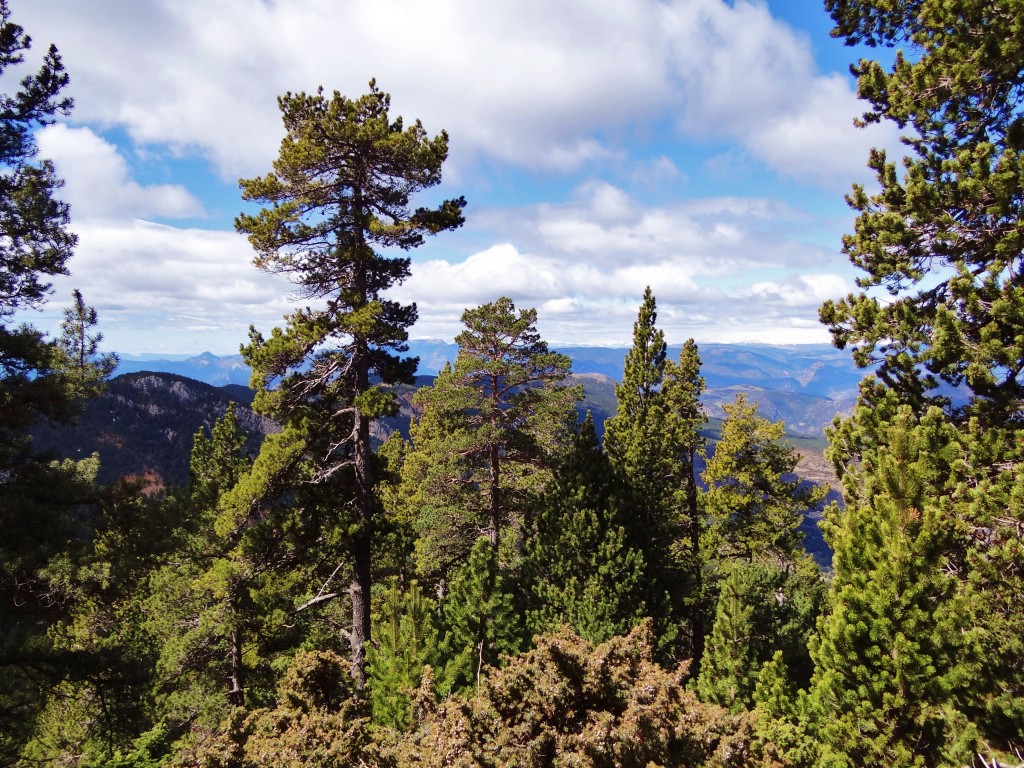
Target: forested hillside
[(494, 585), (145, 423)]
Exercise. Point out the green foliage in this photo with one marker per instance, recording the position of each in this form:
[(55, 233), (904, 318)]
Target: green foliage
[(480, 621), (577, 564), (923, 622), (782, 724), (406, 641), (498, 419), (84, 367), (892, 662), (754, 502), (763, 610), (942, 237), (98, 659), (218, 608), (653, 442), (569, 703), (437, 491), (341, 188), (633, 436), (45, 507), (727, 669), (36, 243), (319, 721)]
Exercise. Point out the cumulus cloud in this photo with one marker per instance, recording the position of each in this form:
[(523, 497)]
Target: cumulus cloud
[(97, 182), (607, 88), (724, 269), (151, 282), (602, 227), (526, 83)]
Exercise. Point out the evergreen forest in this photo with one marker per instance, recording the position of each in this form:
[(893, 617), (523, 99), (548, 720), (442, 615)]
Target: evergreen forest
[(504, 588)]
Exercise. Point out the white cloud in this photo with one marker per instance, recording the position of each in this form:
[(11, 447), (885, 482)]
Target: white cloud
[(606, 229), (815, 140), (149, 282), (549, 87), (580, 305), (802, 291), (542, 85), (97, 180)]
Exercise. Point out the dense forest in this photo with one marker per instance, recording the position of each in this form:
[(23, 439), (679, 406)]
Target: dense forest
[(503, 588)]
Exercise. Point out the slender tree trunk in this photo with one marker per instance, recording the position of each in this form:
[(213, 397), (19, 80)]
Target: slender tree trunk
[(494, 509), (495, 520), (697, 611), (359, 589), (236, 674)]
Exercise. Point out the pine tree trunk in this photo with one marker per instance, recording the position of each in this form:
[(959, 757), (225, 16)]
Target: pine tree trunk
[(236, 675), (495, 511), (697, 612), (359, 589)]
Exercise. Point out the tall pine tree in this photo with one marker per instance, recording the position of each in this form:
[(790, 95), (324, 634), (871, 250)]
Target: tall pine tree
[(653, 441), (939, 247), (340, 189), (507, 415)]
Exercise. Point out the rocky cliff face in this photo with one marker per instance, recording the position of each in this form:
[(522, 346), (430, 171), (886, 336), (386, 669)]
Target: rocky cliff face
[(144, 425)]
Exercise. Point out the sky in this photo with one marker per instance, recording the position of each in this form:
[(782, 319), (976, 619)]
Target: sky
[(700, 147)]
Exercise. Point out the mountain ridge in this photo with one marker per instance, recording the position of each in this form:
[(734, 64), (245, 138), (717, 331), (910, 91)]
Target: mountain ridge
[(805, 385)]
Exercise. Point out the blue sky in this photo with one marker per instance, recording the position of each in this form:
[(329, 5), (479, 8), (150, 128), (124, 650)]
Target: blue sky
[(699, 146)]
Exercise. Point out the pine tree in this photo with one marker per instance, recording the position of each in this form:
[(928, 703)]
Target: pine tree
[(194, 600), (577, 564), (754, 502), (439, 485), (36, 243), (341, 188), (891, 669), (684, 417), (507, 416), (85, 367), (728, 669), (653, 441), (480, 621), (633, 437), (942, 237), (47, 509), (782, 723), (406, 642)]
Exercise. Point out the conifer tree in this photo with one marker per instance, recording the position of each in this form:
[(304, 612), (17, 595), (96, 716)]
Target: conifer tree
[(406, 642), (939, 248), (439, 483), (577, 565), (782, 721), (941, 237), (754, 502), (653, 442), (85, 367), (684, 417), (47, 509), (195, 602), (893, 662), (340, 189), (728, 669), (633, 437), (507, 415), (480, 621)]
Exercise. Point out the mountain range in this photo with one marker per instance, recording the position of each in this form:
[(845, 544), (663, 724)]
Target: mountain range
[(805, 386)]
